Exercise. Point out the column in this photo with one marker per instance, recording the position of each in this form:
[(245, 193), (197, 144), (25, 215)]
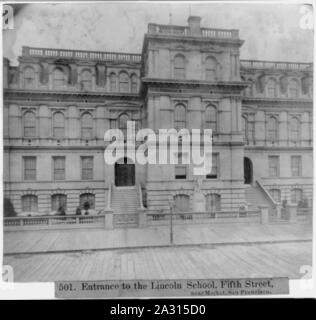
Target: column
[(264, 211)]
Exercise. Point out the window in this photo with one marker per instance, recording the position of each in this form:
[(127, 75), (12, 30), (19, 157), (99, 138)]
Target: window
[(134, 83), (87, 198), (29, 203), (214, 172), (272, 129), (86, 80), (275, 194), (29, 121), (273, 166), (180, 168), (124, 82), (248, 127), (272, 88), (294, 129), (87, 168), (179, 67), (59, 168), (179, 117), (211, 118), (296, 166), (123, 118), (86, 126), (182, 203), (59, 201), (244, 126), (58, 79), (213, 202), (29, 78), (113, 82), (29, 168), (293, 89), (210, 69), (296, 195), (58, 125)]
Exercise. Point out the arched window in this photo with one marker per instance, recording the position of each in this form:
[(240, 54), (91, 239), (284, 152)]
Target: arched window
[(29, 203), (87, 198), (123, 118), (58, 125), (275, 194), (29, 78), (249, 89), (113, 87), (182, 203), (124, 82), (59, 201), (272, 88), (29, 121), (272, 129), (179, 67), (211, 118), (179, 117), (293, 89), (86, 80), (296, 195), (86, 126), (58, 79), (134, 83), (307, 86), (213, 202), (210, 69), (294, 129)]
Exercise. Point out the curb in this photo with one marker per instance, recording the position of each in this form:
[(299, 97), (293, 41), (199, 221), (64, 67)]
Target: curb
[(201, 245)]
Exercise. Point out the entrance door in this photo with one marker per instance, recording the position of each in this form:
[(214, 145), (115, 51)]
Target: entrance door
[(124, 174), (248, 174)]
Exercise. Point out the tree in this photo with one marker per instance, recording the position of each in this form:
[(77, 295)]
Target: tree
[(8, 208)]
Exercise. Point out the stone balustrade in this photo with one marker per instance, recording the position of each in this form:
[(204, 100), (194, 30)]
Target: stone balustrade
[(81, 54), (161, 29), (276, 65)]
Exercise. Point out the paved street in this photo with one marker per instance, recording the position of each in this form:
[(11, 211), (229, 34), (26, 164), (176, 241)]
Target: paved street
[(229, 261), (99, 239)]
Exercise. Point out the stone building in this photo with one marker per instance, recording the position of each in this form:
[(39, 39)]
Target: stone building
[(59, 103)]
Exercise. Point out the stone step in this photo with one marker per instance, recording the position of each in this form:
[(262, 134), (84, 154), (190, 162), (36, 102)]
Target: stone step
[(125, 200)]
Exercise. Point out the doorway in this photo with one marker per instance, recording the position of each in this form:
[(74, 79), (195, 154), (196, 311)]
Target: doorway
[(248, 171), (124, 173)]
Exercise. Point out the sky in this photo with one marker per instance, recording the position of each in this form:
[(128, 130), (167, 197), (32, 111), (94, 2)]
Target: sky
[(271, 31)]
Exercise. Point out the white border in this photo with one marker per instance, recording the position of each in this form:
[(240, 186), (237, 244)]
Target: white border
[(298, 288)]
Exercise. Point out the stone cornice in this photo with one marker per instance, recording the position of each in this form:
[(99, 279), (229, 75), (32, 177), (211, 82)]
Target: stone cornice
[(278, 149), (269, 101), (195, 83), (66, 95), (191, 39)]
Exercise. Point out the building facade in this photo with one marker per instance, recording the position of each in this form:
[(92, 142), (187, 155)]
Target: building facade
[(59, 103)]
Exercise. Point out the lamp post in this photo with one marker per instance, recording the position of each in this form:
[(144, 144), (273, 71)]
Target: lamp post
[(171, 221)]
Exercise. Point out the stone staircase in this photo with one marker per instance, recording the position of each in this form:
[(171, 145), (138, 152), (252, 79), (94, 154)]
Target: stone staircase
[(125, 203), (255, 196)]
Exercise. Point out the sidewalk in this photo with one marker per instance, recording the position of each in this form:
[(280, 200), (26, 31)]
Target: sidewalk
[(71, 240)]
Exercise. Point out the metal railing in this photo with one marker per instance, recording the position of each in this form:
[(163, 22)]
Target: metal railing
[(54, 221), (277, 65), (266, 192), (163, 218), (163, 29), (81, 54)]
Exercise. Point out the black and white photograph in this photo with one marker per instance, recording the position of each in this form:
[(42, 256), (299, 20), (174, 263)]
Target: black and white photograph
[(157, 148)]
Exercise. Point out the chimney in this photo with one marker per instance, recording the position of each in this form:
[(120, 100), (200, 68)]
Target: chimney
[(194, 25)]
